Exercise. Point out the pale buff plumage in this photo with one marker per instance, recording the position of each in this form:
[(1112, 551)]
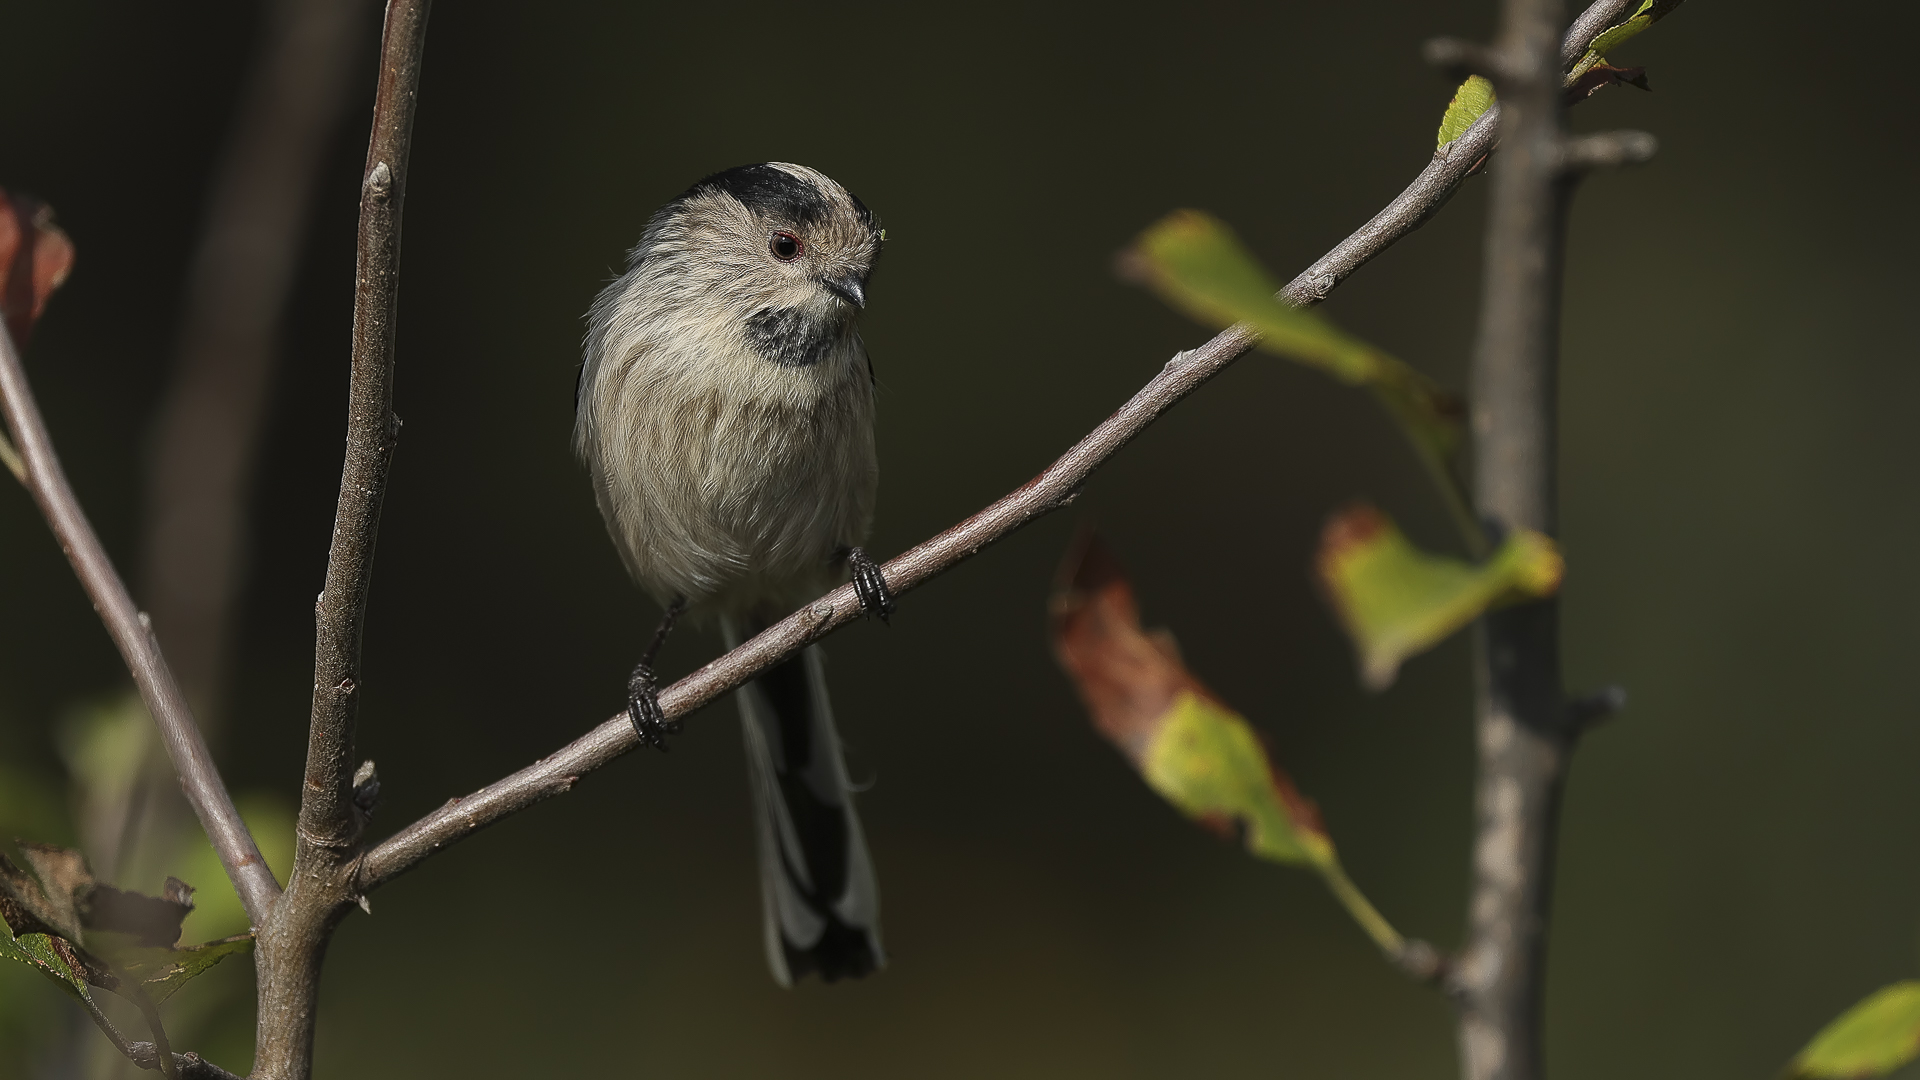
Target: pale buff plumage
[(726, 415), (724, 478)]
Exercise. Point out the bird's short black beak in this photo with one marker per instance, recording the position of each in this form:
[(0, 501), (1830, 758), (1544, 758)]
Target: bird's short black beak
[(849, 289)]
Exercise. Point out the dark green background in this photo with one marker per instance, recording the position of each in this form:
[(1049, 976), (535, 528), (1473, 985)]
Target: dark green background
[(1738, 848)]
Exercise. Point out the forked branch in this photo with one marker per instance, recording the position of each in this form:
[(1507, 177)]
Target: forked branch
[(326, 806), (290, 948)]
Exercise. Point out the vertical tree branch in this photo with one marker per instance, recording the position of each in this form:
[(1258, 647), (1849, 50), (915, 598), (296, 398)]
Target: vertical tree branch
[(128, 627), (292, 945), (326, 811), (1524, 733), (209, 421)]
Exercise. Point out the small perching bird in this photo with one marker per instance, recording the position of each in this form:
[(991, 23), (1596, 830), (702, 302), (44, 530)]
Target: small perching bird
[(725, 412)]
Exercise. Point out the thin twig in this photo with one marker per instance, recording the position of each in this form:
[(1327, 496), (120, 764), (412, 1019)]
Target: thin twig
[(326, 810), (1049, 491), (289, 950), (163, 1056), (1591, 24), (186, 1066), (128, 627)]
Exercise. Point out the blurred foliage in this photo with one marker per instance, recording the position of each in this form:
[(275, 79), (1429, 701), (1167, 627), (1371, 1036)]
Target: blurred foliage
[(1873, 1038), (1396, 601), (110, 752), (1195, 263), (35, 258)]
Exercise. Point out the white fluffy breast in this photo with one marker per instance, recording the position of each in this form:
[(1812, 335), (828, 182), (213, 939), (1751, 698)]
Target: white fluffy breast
[(725, 476)]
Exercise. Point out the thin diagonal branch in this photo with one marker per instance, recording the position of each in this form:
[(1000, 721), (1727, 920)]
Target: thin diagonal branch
[(1590, 24), (128, 627), (1045, 493)]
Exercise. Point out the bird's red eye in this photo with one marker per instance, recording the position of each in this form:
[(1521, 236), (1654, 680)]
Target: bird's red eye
[(786, 247)]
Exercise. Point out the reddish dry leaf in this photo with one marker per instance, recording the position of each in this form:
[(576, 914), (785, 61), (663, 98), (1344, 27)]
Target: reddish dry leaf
[(1188, 744), (35, 259), (1127, 677)]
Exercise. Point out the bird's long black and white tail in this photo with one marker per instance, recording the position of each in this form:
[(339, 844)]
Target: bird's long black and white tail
[(817, 887)]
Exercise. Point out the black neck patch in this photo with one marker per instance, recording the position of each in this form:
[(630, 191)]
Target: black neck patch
[(786, 337), (771, 191)]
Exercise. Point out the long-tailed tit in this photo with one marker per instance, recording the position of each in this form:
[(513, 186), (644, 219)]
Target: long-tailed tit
[(726, 411)]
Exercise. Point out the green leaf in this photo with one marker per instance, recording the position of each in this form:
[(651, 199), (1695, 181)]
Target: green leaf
[(1873, 1038), (48, 955), (159, 972), (1396, 601), (1648, 13), (1195, 263), (37, 951), (1470, 102)]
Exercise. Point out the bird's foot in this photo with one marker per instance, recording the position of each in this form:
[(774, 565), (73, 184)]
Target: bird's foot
[(643, 709), (869, 584)]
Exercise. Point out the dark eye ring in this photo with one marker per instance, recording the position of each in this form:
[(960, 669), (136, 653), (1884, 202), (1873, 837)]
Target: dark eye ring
[(786, 247)]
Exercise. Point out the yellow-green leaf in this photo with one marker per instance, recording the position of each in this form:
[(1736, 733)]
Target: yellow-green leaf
[(1196, 264), (1873, 1038), (1470, 102), (1396, 601), (1648, 13), (1206, 761)]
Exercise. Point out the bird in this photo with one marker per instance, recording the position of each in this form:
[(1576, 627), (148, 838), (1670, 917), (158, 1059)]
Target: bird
[(725, 414)]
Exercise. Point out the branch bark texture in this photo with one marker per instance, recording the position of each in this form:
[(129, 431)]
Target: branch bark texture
[(1524, 730), (132, 635), (326, 811), (293, 944)]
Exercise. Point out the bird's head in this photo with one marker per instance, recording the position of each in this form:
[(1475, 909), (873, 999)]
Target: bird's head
[(782, 248)]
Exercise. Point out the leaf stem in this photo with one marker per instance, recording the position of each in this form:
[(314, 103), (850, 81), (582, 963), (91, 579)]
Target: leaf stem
[(1375, 924), (1472, 533)]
